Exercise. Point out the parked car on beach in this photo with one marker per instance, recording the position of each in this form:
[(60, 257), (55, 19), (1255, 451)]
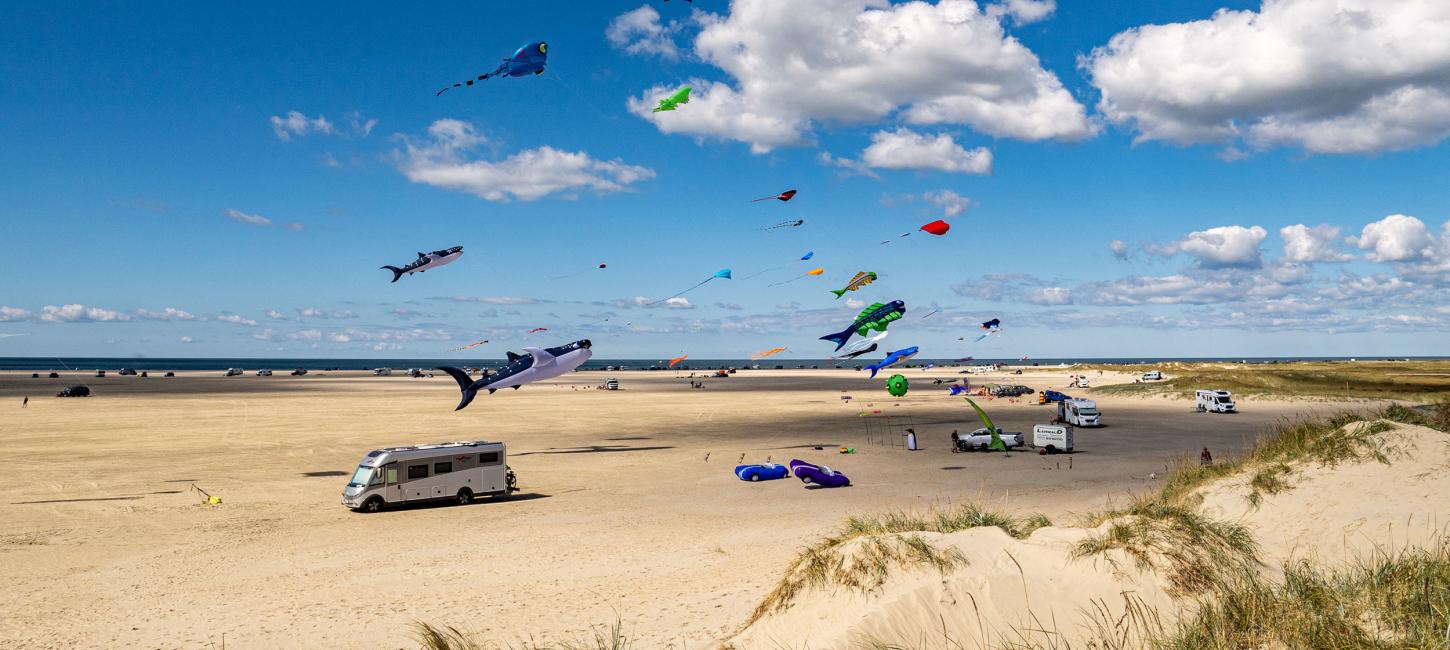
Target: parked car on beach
[(74, 391)]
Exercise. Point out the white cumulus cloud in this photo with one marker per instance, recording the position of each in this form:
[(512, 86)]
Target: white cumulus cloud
[(1324, 76), (77, 313), (639, 31), (12, 314), (295, 123), (527, 175), (1396, 238), (795, 65), (1221, 247), (906, 149), (1303, 244)]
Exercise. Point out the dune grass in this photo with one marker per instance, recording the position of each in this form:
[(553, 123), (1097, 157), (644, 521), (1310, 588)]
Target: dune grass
[(1192, 551), (432, 637), (1388, 600), (861, 554), (1350, 436), (1418, 381)]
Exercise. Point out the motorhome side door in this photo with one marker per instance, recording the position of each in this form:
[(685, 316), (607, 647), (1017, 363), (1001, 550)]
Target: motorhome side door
[(392, 487)]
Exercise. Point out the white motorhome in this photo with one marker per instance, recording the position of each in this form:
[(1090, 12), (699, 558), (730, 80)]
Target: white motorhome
[(611, 384), (1215, 401), (1079, 412), (1153, 375), (234, 372), (382, 372), (447, 470), (1052, 438)]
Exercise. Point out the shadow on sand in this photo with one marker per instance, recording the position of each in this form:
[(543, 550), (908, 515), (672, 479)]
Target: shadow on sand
[(593, 449), (20, 503)]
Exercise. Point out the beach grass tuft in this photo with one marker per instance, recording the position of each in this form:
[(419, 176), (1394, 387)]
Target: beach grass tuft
[(1193, 551), (864, 551)]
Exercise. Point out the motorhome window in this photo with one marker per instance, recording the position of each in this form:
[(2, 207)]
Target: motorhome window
[(362, 477), (417, 471), (375, 453), (1087, 410), (442, 468), (392, 475), (488, 458)]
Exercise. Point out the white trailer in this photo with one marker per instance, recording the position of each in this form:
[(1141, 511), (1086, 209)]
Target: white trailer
[(1214, 401), (447, 470), (1079, 412), (1052, 438)]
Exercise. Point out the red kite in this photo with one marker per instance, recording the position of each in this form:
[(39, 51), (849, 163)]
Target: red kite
[(783, 196)]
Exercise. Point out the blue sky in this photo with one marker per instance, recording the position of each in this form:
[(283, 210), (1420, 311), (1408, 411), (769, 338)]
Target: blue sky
[(219, 180)]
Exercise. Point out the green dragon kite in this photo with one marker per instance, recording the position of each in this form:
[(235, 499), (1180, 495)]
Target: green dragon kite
[(681, 96)]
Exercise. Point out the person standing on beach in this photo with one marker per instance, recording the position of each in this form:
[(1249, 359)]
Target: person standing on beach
[(25, 402), (1205, 458)]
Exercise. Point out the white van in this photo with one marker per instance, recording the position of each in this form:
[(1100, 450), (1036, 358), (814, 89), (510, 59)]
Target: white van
[(1079, 412), (265, 372), (446, 470), (234, 372), (382, 372), (1215, 401), (1052, 438), (1152, 376), (611, 384)]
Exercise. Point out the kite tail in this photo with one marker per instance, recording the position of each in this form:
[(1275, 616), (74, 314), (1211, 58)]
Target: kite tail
[(839, 338), (397, 272), (470, 81), (465, 384), (874, 368), (839, 293)]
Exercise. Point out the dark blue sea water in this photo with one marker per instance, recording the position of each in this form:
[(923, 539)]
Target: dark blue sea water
[(154, 364)]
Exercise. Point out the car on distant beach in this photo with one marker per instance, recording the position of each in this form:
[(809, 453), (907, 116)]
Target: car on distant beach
[(265, 372), (234, 372), (126, 371), (1152, 376), (74, 391), (611, 384), (981, 440), (299, 372), (1054, 396)]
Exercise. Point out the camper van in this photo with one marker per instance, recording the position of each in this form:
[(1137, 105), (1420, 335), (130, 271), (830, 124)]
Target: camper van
[(611, 384), (234, 372), (1052, 438), (447, 470), (382, 372), (265, 372), (1215, 401), (1152, 376), (1079, 412)]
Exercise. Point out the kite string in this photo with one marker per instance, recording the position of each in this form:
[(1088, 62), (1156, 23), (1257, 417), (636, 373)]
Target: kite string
[(702, 283)]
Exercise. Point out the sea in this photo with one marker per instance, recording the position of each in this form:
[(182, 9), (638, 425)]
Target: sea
[(35, 364)]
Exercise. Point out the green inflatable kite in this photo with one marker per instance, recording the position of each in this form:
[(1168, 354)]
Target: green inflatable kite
[(997, 443)]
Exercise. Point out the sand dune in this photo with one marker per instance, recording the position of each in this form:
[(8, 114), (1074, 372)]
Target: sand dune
[(1032, 592)]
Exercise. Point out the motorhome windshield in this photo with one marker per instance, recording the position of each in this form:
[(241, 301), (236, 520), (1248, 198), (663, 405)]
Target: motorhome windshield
[(1224, 400), (362, 477), (1087, 410)]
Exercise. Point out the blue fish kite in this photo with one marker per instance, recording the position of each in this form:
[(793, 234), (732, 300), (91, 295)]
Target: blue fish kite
[(808, 255), (899, 356), (529, 59), (874, 317)]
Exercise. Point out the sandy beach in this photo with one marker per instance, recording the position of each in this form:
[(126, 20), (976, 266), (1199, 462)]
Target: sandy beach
[(628, 508)]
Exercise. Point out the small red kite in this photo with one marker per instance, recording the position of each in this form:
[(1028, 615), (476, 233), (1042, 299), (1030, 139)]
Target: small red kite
[(783, 196)]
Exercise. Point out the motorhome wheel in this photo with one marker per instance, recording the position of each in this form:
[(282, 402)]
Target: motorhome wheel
[(465, 497), (374, 504)]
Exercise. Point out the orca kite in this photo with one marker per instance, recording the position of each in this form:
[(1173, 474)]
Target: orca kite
[(531, 366)]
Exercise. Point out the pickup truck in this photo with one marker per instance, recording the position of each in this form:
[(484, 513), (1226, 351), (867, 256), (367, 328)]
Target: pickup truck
[(981, 439)]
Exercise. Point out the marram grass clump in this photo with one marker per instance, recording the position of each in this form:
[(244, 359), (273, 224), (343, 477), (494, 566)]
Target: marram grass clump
[(864, 551)]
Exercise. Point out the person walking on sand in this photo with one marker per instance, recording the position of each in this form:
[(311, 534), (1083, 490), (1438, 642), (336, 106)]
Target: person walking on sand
[(1205, 458), (25, 402)]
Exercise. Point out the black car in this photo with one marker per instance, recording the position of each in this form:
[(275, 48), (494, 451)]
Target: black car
[(126, 371), (299, 372), (74, 391)]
